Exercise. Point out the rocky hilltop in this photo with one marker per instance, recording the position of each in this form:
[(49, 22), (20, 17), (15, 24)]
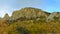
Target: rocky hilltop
[(32, 13), (29, 13)]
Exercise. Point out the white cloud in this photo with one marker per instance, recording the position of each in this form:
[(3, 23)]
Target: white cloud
[(5, 9)]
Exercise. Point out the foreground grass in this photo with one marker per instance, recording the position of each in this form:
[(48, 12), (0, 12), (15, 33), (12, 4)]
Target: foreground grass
[(30, 27)]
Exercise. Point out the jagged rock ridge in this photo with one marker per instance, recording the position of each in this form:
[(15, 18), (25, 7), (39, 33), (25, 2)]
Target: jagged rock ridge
[(29, 13), (32, 13)]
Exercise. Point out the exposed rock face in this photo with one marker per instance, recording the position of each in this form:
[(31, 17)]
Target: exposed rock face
[(6, 17), (54, 16), (29, 13)]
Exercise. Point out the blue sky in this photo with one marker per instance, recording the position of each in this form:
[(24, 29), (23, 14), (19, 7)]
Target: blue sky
[(8, 6)]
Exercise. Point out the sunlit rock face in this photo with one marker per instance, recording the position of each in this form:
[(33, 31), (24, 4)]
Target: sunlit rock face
[(29, 13), (54, 16)]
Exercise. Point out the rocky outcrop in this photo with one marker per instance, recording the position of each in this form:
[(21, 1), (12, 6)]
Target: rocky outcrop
[(29, 13), (54, 16), (6, 17)]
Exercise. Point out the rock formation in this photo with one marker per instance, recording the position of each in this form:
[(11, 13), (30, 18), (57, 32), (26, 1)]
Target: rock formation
[(54, 16), (29, 13), (6, 16)]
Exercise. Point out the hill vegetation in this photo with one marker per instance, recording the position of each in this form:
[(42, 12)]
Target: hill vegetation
[(30, 21)]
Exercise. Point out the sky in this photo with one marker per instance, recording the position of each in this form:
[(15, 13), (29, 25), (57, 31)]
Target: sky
[(8, 6)]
